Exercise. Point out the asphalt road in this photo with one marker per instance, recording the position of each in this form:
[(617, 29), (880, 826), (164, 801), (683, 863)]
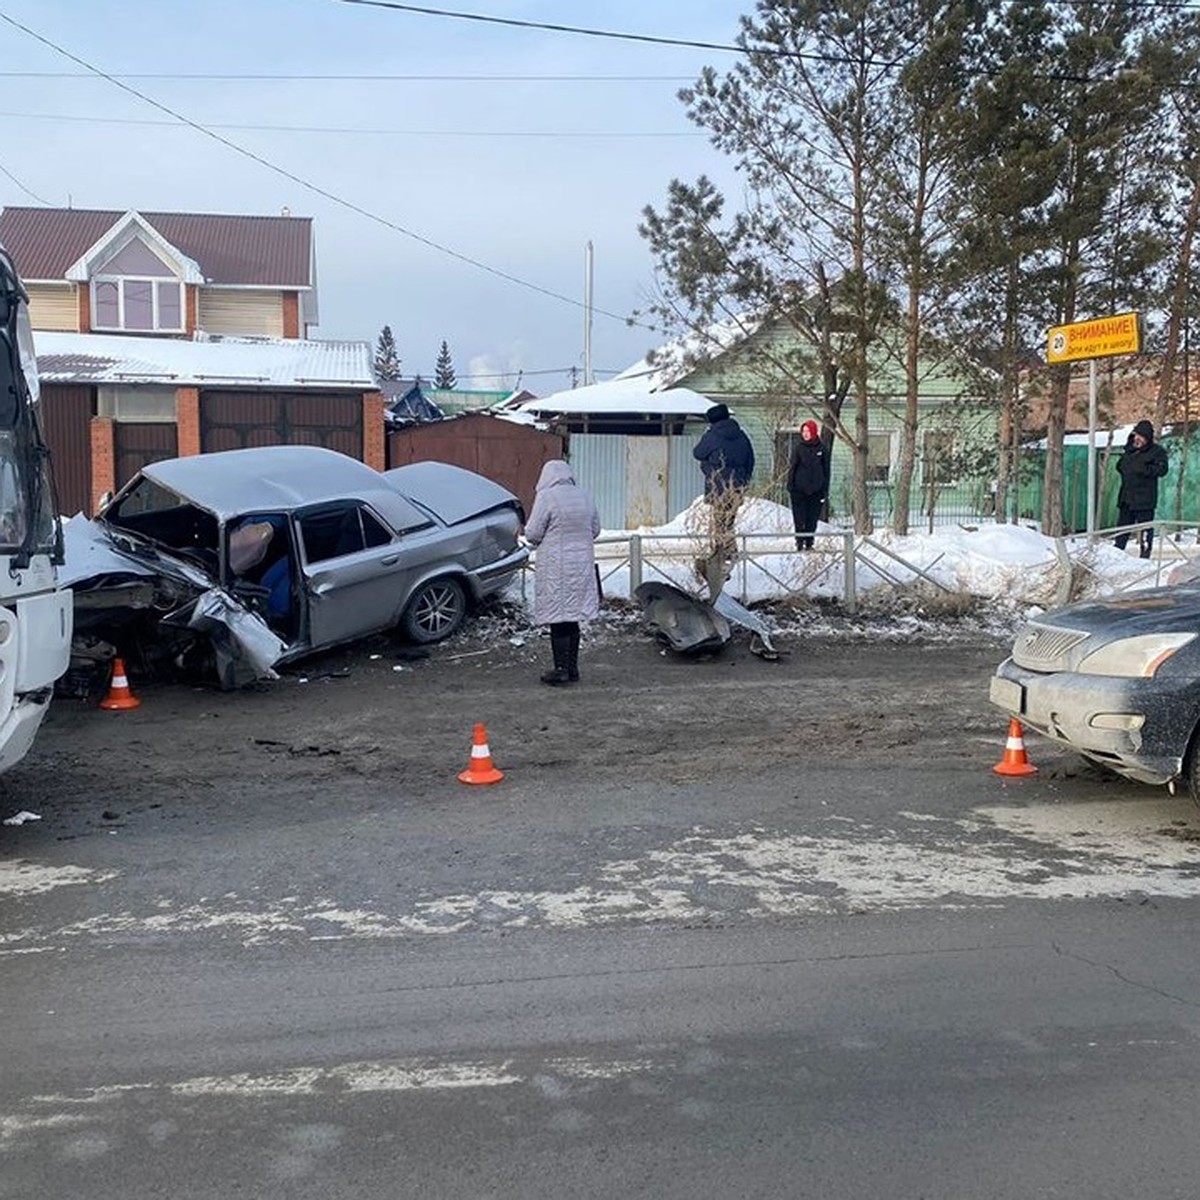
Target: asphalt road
[(834, 976)]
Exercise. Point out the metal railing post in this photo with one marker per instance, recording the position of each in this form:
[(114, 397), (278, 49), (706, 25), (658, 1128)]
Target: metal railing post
[(635, 563), (851, 579)]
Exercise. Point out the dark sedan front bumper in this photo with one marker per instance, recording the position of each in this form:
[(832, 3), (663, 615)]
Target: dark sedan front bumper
[(1139, 728)]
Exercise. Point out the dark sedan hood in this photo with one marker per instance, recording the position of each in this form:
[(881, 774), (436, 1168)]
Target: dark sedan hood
[(1162, 610)]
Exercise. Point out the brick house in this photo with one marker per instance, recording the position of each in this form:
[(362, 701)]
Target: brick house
[(165, 334), (164, 274)]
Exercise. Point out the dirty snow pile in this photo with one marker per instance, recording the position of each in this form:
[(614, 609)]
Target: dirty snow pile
[(1014, 565)]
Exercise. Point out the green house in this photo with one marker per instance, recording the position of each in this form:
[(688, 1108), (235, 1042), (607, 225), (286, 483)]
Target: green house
[(756, 373)]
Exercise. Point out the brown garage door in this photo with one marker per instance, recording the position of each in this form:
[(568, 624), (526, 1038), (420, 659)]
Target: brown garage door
[(136, 443), (66, 422), (234, 420)]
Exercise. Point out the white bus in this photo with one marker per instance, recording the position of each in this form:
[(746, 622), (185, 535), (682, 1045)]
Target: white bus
[(35, 614)]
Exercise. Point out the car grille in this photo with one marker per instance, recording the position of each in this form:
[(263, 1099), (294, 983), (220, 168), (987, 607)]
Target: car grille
[(1045, 647)]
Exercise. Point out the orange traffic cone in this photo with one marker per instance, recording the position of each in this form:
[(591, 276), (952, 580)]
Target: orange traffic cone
[(1014, 761), (480, 769), (119, 696)]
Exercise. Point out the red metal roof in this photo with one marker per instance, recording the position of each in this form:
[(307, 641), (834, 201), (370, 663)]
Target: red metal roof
[(233, 250)]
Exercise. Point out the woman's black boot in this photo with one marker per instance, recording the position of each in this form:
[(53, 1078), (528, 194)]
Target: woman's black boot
[(573, 655), (560, 644)]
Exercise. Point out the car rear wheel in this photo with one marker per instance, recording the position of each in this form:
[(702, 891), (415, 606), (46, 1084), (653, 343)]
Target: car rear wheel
[(437, 609)]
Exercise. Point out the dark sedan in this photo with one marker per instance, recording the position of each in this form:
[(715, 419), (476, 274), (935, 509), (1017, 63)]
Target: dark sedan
[(1118, 680)]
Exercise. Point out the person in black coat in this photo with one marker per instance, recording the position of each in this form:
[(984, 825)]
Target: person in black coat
[(726, 460), (1142, 465), (808, 483), (725, 454)]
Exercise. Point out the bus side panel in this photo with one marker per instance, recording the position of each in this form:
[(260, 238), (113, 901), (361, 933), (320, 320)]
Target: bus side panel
[(41, 636)]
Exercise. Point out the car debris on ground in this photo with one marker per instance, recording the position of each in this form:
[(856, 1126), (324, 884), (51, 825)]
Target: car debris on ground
[(691, 626)]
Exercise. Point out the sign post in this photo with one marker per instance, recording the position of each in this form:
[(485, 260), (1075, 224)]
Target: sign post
[(1101, 338)]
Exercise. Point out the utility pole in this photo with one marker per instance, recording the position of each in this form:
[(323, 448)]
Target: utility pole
[(588, 281)]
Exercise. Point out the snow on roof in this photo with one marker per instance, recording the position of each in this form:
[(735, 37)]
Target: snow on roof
[(676, 359), (621, 396), (211, 362)]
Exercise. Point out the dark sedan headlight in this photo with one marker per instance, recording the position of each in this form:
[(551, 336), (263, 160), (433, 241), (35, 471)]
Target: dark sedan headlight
[(1135, 657)]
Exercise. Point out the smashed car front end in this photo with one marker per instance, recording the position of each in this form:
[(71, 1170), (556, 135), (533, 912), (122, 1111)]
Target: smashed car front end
[(139, 601)]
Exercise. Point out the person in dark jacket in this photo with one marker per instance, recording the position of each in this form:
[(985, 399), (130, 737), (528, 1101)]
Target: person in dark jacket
[(808, 483), (725, 454), (1142, 465), (727, 461)]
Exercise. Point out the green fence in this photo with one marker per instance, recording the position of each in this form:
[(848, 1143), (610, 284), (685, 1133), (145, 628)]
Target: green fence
[(1178, 495)]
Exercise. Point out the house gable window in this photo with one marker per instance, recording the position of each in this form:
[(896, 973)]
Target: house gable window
[(134, 291)]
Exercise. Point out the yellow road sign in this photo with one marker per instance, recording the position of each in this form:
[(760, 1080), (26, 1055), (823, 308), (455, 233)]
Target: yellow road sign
[(1121, 334)]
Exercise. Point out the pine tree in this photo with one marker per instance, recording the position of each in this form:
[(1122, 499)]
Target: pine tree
[(387, 360), (805, 117), (444, 378)]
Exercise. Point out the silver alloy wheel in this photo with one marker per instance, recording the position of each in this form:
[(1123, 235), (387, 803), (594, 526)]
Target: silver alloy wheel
[(436, 610)]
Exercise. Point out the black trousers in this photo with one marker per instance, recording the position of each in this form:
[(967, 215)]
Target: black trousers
[(806, 512), (1135, 516)]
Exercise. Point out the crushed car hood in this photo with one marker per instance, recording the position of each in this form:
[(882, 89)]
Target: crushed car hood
[(449, 492), (91, 553)]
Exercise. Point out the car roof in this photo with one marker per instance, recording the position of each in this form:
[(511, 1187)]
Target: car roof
[(231, 482)]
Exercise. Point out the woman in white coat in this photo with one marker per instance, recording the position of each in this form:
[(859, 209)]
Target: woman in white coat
[(563, 525)]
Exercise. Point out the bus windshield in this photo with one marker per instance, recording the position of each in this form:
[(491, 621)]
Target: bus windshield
[(28, 523)]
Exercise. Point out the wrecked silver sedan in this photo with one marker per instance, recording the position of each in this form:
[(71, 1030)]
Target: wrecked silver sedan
[(259, 557)]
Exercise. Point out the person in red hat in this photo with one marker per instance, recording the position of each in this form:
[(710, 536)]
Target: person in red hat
[(808, 483)]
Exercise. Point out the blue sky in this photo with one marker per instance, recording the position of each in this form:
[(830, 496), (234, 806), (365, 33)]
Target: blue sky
[(484, 187)]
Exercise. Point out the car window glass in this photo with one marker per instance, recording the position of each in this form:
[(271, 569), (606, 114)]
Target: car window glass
[(375, 533), (337, 530)]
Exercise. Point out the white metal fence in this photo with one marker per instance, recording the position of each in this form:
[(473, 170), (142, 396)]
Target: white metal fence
[(844, 565)]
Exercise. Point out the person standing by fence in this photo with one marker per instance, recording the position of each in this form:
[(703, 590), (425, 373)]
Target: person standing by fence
[(726, 458), (563, 526), (1142, 465), (808, 483)]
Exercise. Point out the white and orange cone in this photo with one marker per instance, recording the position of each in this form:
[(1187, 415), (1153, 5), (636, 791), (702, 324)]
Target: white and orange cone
[(119, 697), (480, 768), (1014, 761)]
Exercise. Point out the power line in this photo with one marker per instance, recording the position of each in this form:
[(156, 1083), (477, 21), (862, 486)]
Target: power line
[(609, 34), (4, 170), (258, 77), (455, 133), (350, 205), (544, 25), (755, 51)]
